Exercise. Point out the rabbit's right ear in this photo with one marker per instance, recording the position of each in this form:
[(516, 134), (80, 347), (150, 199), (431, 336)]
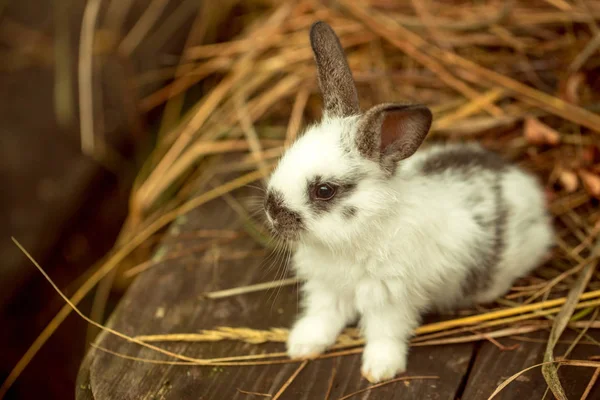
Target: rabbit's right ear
[(388, 133), (340, 98)]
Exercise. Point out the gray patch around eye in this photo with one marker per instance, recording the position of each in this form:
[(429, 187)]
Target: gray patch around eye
[(345, 188), (480, 276), (342, 192), (464, 160)]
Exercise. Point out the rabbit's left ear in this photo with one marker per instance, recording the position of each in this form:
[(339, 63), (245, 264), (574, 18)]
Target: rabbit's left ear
[(389, 133), (340, 98)]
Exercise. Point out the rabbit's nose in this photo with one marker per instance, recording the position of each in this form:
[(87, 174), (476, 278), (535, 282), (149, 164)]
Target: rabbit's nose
[(285, 221), (273, 205)]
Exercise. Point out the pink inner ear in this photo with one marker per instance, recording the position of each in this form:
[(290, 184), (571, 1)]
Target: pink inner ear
[(393, 127)]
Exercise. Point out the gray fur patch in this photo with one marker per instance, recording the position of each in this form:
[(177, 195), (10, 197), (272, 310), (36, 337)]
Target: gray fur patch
[(344, 188), (368, 139), (340, 98), (480, 275), (475, 199), (342, 191), (463, 159), (286, 223), (481, 220), (349, 212)]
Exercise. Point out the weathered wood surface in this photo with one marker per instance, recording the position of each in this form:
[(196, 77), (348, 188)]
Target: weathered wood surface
[(493, 366), (167, 299)]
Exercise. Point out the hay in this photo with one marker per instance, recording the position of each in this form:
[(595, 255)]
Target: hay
[(522, 81)]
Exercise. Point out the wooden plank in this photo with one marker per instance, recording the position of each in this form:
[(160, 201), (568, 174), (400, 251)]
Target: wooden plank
[(167, 299), (83, 387), (492, 366)]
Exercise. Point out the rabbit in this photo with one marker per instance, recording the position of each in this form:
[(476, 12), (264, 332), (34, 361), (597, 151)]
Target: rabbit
[(381, 233)]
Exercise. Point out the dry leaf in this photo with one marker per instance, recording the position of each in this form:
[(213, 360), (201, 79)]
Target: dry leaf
[(568, 179), (591, 182), (538, 133)]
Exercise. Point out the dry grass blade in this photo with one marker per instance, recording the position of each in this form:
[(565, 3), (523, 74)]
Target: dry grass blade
[(517, 330), (180, 85), (244, 334), (233, 47), (250, 288), (254, 393), (585, 54), (472, 320), (351, 338), (251, 135), (140, 359), (420, 7), (63, 72), (470, 108), (146, 265), (99, 303), (116, 14), (580, 335), (330, 384), (222, 362), (142, 26), (550, 284), (560, 323), (560, 4), (404, 378), (296, 116), (85, 70), (290, 380), (591, 384), (575, 363)]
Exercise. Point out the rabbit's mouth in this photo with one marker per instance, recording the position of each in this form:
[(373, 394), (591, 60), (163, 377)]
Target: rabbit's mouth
[(283, 222)]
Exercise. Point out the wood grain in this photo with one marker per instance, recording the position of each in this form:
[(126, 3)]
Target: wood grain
[(492, 366)]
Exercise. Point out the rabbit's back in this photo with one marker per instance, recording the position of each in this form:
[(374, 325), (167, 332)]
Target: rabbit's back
[(512, 231)]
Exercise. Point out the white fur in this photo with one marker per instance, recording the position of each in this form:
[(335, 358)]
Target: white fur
[(407, 250)]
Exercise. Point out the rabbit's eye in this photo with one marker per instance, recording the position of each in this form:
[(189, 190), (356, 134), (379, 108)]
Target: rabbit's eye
[(324, 191)]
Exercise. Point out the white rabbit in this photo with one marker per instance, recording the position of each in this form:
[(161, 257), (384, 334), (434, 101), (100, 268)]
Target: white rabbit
[(383, 234)]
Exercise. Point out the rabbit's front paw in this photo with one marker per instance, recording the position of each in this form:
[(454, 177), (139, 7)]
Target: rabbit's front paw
[(309, 338), (383, 360)]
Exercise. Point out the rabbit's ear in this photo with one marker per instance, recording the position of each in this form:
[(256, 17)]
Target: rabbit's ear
[(389, 133), (340, 98)]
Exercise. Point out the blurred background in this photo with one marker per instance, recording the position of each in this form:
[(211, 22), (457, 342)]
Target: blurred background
[(64, 203), (96, 94)]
